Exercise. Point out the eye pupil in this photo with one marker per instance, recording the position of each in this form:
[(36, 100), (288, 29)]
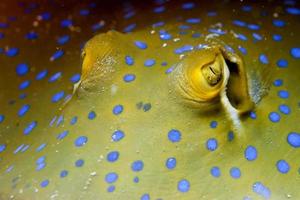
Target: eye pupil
[(212, 74)]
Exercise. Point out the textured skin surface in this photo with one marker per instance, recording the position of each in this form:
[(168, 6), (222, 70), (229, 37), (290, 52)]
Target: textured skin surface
[(130, 122)]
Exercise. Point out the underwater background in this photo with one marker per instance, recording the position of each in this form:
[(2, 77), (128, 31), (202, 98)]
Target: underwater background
[(128, 139)]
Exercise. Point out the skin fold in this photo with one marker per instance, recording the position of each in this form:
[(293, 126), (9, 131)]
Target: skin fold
[(201, 106)]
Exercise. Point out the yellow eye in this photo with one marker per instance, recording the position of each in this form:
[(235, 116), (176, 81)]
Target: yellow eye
[(206, 76)]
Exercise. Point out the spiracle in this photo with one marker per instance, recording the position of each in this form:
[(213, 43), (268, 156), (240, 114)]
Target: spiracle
[(207, 77)]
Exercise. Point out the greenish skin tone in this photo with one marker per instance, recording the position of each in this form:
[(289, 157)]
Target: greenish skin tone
[(147, 132)]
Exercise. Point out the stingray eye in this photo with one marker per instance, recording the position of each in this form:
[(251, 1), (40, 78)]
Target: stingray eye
[(205, 77)]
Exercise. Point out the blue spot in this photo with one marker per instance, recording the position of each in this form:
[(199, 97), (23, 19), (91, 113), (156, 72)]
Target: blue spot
[(183, 49), (111, 177), (282, 63), (11, 52), (263, 59), (92, 115), (140, 44), (278, 82), (24, 85), (246, 8), (129, 78), (277, 37), (145, 197), (55, 77), (193, 20), (23, 110), (262, 190), (293, 11), (97, 26), (44, 183), (158, 24), (29, 127), (159, 9), (174, 135), (40, 166), (217, 31), (239, 23), (257, 36), (2, 147), (282, 166), (84, 12), (211, 144), (279, 23), (136, 179), (32, 35), (2, 36), (42, 74), (254, 27), (242, 37), (293, 139), (129, 28), (242, 50), (230, 136), (58, 96), (111, 188), (75, 78), (112, 156), (188, 5), (137, 166), (171, 163), (64, 173), (252, 115), (58, 54), (66, 23), (283, 94), (213, 124), (117, 135), (295, 52), (250, 153), (215, 171), (165, 36), (63, 39), (41, 147), (129, 60), (45, 16), (183, 185), (118, 109), (149, 62), (274, 117), (62, 135), (22, 69), (235, 172), (80, 141), (129, 14), (74, 120), (79, 163), (284, 109)]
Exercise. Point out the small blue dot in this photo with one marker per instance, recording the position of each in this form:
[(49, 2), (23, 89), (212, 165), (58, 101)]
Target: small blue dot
[(40, 160), (63, 39), (22, 69), (277, 37), (44, 183), (213, 124), (193, 20), (112, 156), (58, 54), (24, 85), (75, 78), (252, 115), (23, 110), (171, 163), (230, 136), (64, 173), (30, 127), (174, 135), (74, 120), (282, 166), (188, 5), (283, 94), (183, 185), (279, 23), (2, 117), (40, 166), (129, 60), (84, 12), (111, 188), (80, 141), (263, 59), (159, 9), (2, 147), (145, 197), (66, 23), (129, 28), (118, 109), (235, 172), (92, 115), (211, 144), (137, 165), (129, 78), (79, 163), (149, 62), (250, 153), (111, 177), (274, 117), (278, 82), (58, 96), (257, 36), (242, 50), (295, 52), (282, 63), (293, 139), (41, 147), (42, 74), (262, 190), (62, 135), (136, 179), (293, 11), (31, 35), (11, 52), (215, 171), (285, 109), (140, 44), (117, 135)]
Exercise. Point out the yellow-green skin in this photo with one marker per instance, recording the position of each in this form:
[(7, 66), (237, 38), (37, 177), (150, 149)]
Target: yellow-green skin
[(146, 133)]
